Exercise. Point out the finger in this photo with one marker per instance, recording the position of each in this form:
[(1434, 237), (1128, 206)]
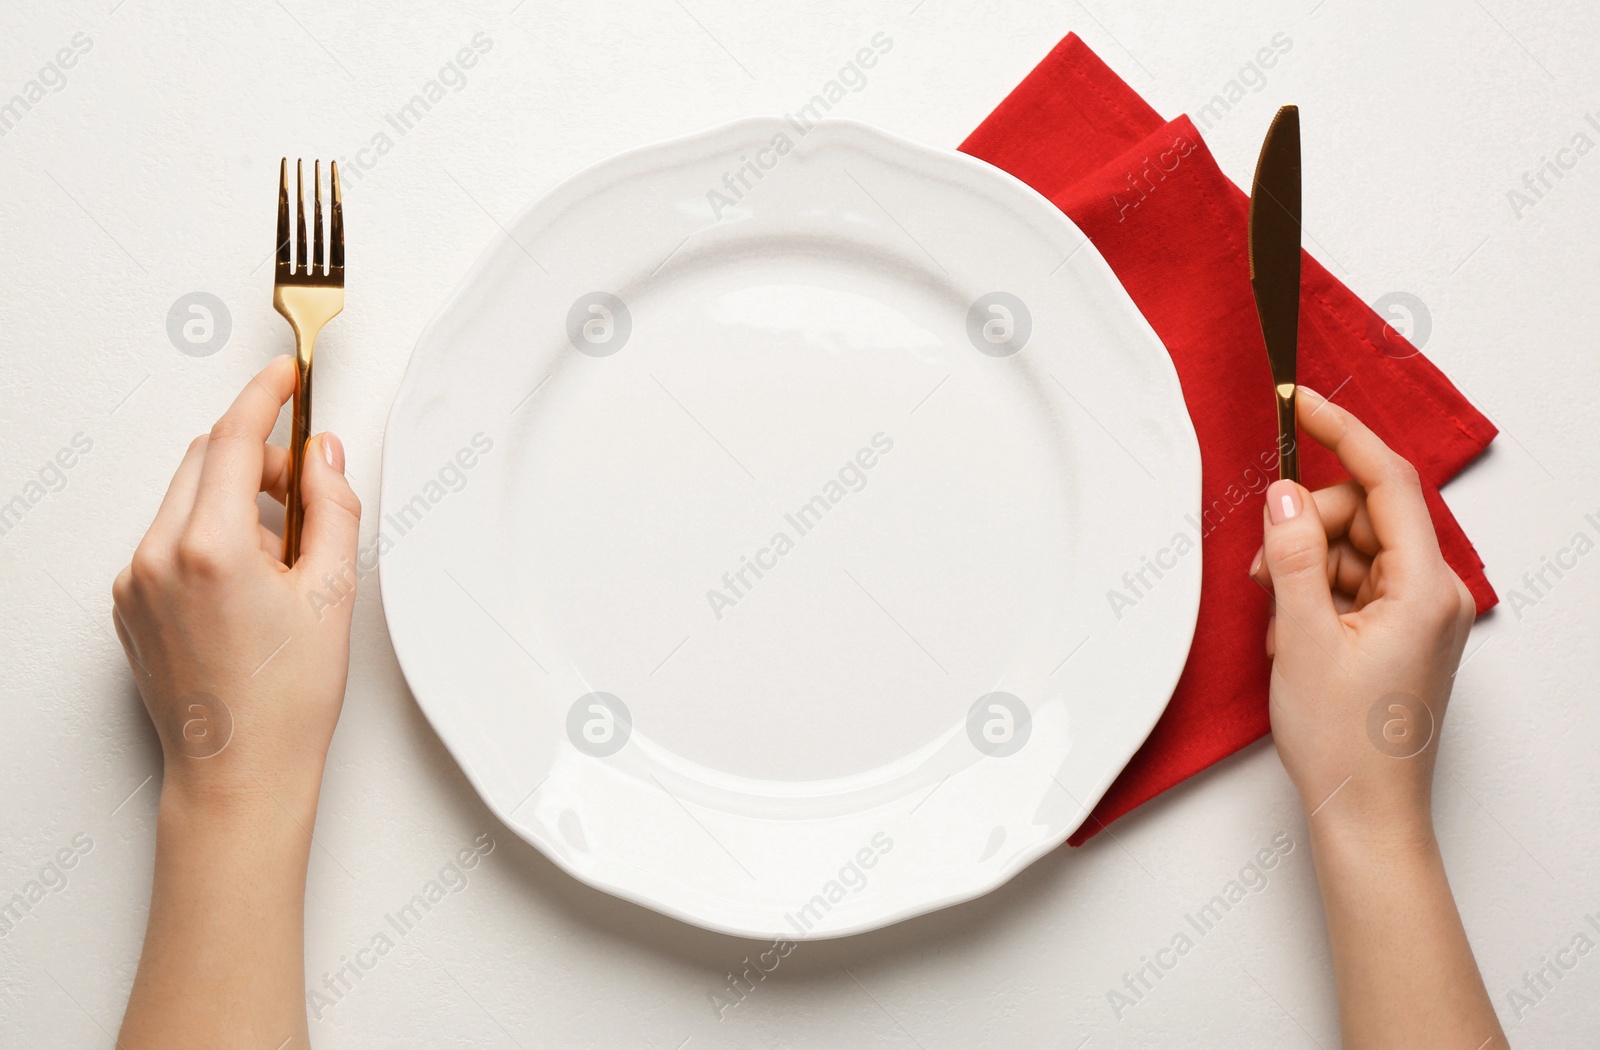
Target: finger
[(236, 452), (275, 472), (1348, 568), (1344, 513), (275, 483), (1344, 518), (1395, 506), (332, 511), (177, 504), (1295, 549), (271, 543)]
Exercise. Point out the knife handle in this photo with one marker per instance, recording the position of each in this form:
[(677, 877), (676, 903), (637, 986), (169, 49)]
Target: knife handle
[(1288, 447)]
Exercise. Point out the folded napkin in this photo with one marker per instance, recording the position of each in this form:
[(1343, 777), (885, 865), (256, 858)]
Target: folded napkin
[(1150, 196)]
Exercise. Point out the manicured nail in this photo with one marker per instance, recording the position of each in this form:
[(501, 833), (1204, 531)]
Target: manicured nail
[(1283, 500), (1255, 563), (333, 451), (1307, 390)]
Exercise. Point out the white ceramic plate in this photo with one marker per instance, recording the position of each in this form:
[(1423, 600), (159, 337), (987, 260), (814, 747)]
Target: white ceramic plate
[(749, 518)]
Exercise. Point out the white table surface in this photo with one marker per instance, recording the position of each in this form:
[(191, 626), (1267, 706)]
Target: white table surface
[(150, 174)]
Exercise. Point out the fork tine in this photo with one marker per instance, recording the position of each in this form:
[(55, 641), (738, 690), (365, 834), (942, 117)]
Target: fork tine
[(283, 212), (336, 232), (301, 263), (317, 258)]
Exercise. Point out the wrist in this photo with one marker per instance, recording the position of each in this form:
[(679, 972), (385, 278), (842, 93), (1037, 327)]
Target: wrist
[(1371, 804), (1401, 836), (274, 809)]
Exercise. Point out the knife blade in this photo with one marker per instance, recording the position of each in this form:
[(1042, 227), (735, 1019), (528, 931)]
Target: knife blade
[(1275, 269)]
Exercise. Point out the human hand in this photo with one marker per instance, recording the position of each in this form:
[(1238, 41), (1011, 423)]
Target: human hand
[(1367, 631), (240, 668)]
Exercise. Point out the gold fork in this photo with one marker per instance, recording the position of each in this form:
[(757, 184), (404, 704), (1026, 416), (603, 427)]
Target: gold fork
[(308, 290)]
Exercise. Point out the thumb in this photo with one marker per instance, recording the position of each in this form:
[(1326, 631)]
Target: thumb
[(1295, 548), (332, 511)]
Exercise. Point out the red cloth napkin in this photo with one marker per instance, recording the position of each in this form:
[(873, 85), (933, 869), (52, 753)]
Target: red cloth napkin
[(1150, 196)]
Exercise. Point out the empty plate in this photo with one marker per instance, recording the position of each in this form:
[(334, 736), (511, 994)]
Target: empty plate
[(758, 519)]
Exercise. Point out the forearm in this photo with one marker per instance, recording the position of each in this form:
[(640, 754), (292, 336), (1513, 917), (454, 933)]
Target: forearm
[(1405, 971), (223, 960)]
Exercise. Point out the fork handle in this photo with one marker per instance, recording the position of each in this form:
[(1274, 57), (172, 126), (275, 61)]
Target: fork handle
[(299, 434)]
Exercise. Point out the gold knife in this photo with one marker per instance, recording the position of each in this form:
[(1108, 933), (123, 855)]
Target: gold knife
[(1275, 269)]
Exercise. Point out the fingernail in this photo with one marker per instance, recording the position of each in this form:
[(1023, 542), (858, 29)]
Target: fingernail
[(333, 451), (1255, 563), (1307, 390), (1283, 500)]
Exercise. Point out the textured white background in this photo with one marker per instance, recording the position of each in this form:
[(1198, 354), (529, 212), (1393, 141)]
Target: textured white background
[(151, 174)]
